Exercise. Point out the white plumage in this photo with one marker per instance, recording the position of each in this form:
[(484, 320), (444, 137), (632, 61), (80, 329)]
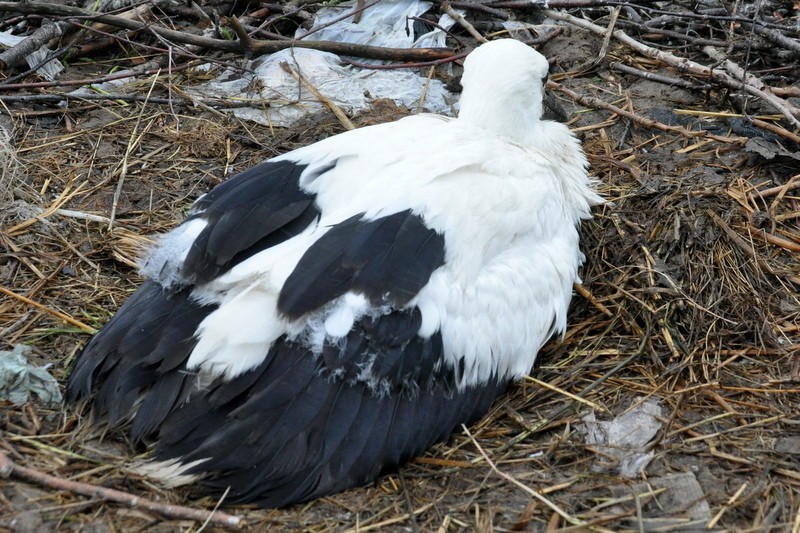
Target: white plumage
[(369, 275)]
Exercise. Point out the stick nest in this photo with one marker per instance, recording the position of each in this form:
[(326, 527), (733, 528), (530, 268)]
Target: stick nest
[(689, 295)]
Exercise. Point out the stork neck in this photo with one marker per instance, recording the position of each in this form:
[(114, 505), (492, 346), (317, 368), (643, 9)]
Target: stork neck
[(517, 121)]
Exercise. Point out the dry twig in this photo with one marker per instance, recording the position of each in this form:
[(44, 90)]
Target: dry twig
[(327, 102), (596, 103), (9, 468), (536, 495), (684, 65)]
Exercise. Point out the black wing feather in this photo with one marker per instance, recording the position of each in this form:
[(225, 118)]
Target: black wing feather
[(153, 328), (388, 259), (309, 431), (243, 216), (146, 344)]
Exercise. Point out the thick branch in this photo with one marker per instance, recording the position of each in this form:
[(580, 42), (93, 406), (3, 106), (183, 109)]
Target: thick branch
[(111, 97), (793, 45), (754, 86), (16, 54), (258, 46)]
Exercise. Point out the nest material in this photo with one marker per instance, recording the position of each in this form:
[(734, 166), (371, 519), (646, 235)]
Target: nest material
[(690, 296)]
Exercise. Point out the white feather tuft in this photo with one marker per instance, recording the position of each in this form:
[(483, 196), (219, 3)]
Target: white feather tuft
[(170, 474), (238, 335), (164, 261)]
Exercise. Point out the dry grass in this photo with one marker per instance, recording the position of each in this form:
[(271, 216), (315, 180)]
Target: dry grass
[(691, 297)]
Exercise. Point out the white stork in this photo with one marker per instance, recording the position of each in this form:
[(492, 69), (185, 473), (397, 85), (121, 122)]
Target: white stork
[(325, 316)]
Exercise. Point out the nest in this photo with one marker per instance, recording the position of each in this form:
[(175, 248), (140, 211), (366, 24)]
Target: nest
[(689, 297)]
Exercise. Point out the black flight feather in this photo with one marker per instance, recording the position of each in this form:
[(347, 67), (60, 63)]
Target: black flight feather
[(301, 426), (247, 214), (143, 348), (388, 259)]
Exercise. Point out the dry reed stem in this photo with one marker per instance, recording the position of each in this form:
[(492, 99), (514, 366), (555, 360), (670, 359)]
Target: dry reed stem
[(556, 509), (58, 314)]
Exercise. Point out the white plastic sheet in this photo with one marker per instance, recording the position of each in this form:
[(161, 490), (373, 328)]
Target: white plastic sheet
[(387, 23), (352, 89)]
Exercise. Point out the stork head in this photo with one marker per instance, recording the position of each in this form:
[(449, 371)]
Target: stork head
[(503, 85)]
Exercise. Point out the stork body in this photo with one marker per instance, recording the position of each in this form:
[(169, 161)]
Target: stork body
[(330, 313)]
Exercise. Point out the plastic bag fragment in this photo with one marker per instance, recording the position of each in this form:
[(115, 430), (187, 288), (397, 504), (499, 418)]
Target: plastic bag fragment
[(624, 438), (19, 379), (280, 100), (49, 71)]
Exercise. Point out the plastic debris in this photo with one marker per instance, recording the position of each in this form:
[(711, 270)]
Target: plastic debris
[(19, 379), (352, 89), (109, 86), (349, 88), (788, 445), (49, 71), (388, 24), (524, 31), (624, 438)]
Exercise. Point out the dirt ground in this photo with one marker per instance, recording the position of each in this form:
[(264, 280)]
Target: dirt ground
[(689, 303)]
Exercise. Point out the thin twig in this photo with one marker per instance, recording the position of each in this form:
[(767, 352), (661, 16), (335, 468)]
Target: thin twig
[(474, 6), (561, 391), (777, 130), (787, 43), (327, 102), (132, 143), (596, 383), (555, 508), (660, 78), (58, 314), (609, 31), (112, 97), (357, 12), (392, 66), (583, 291), (464, 23), (90, 81), (750, 84), (596, 103)]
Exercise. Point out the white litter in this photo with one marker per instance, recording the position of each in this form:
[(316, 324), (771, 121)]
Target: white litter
[(624, 438), (280, 100), (48, 71), (388, 23), (675, 502), (19, 379)]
